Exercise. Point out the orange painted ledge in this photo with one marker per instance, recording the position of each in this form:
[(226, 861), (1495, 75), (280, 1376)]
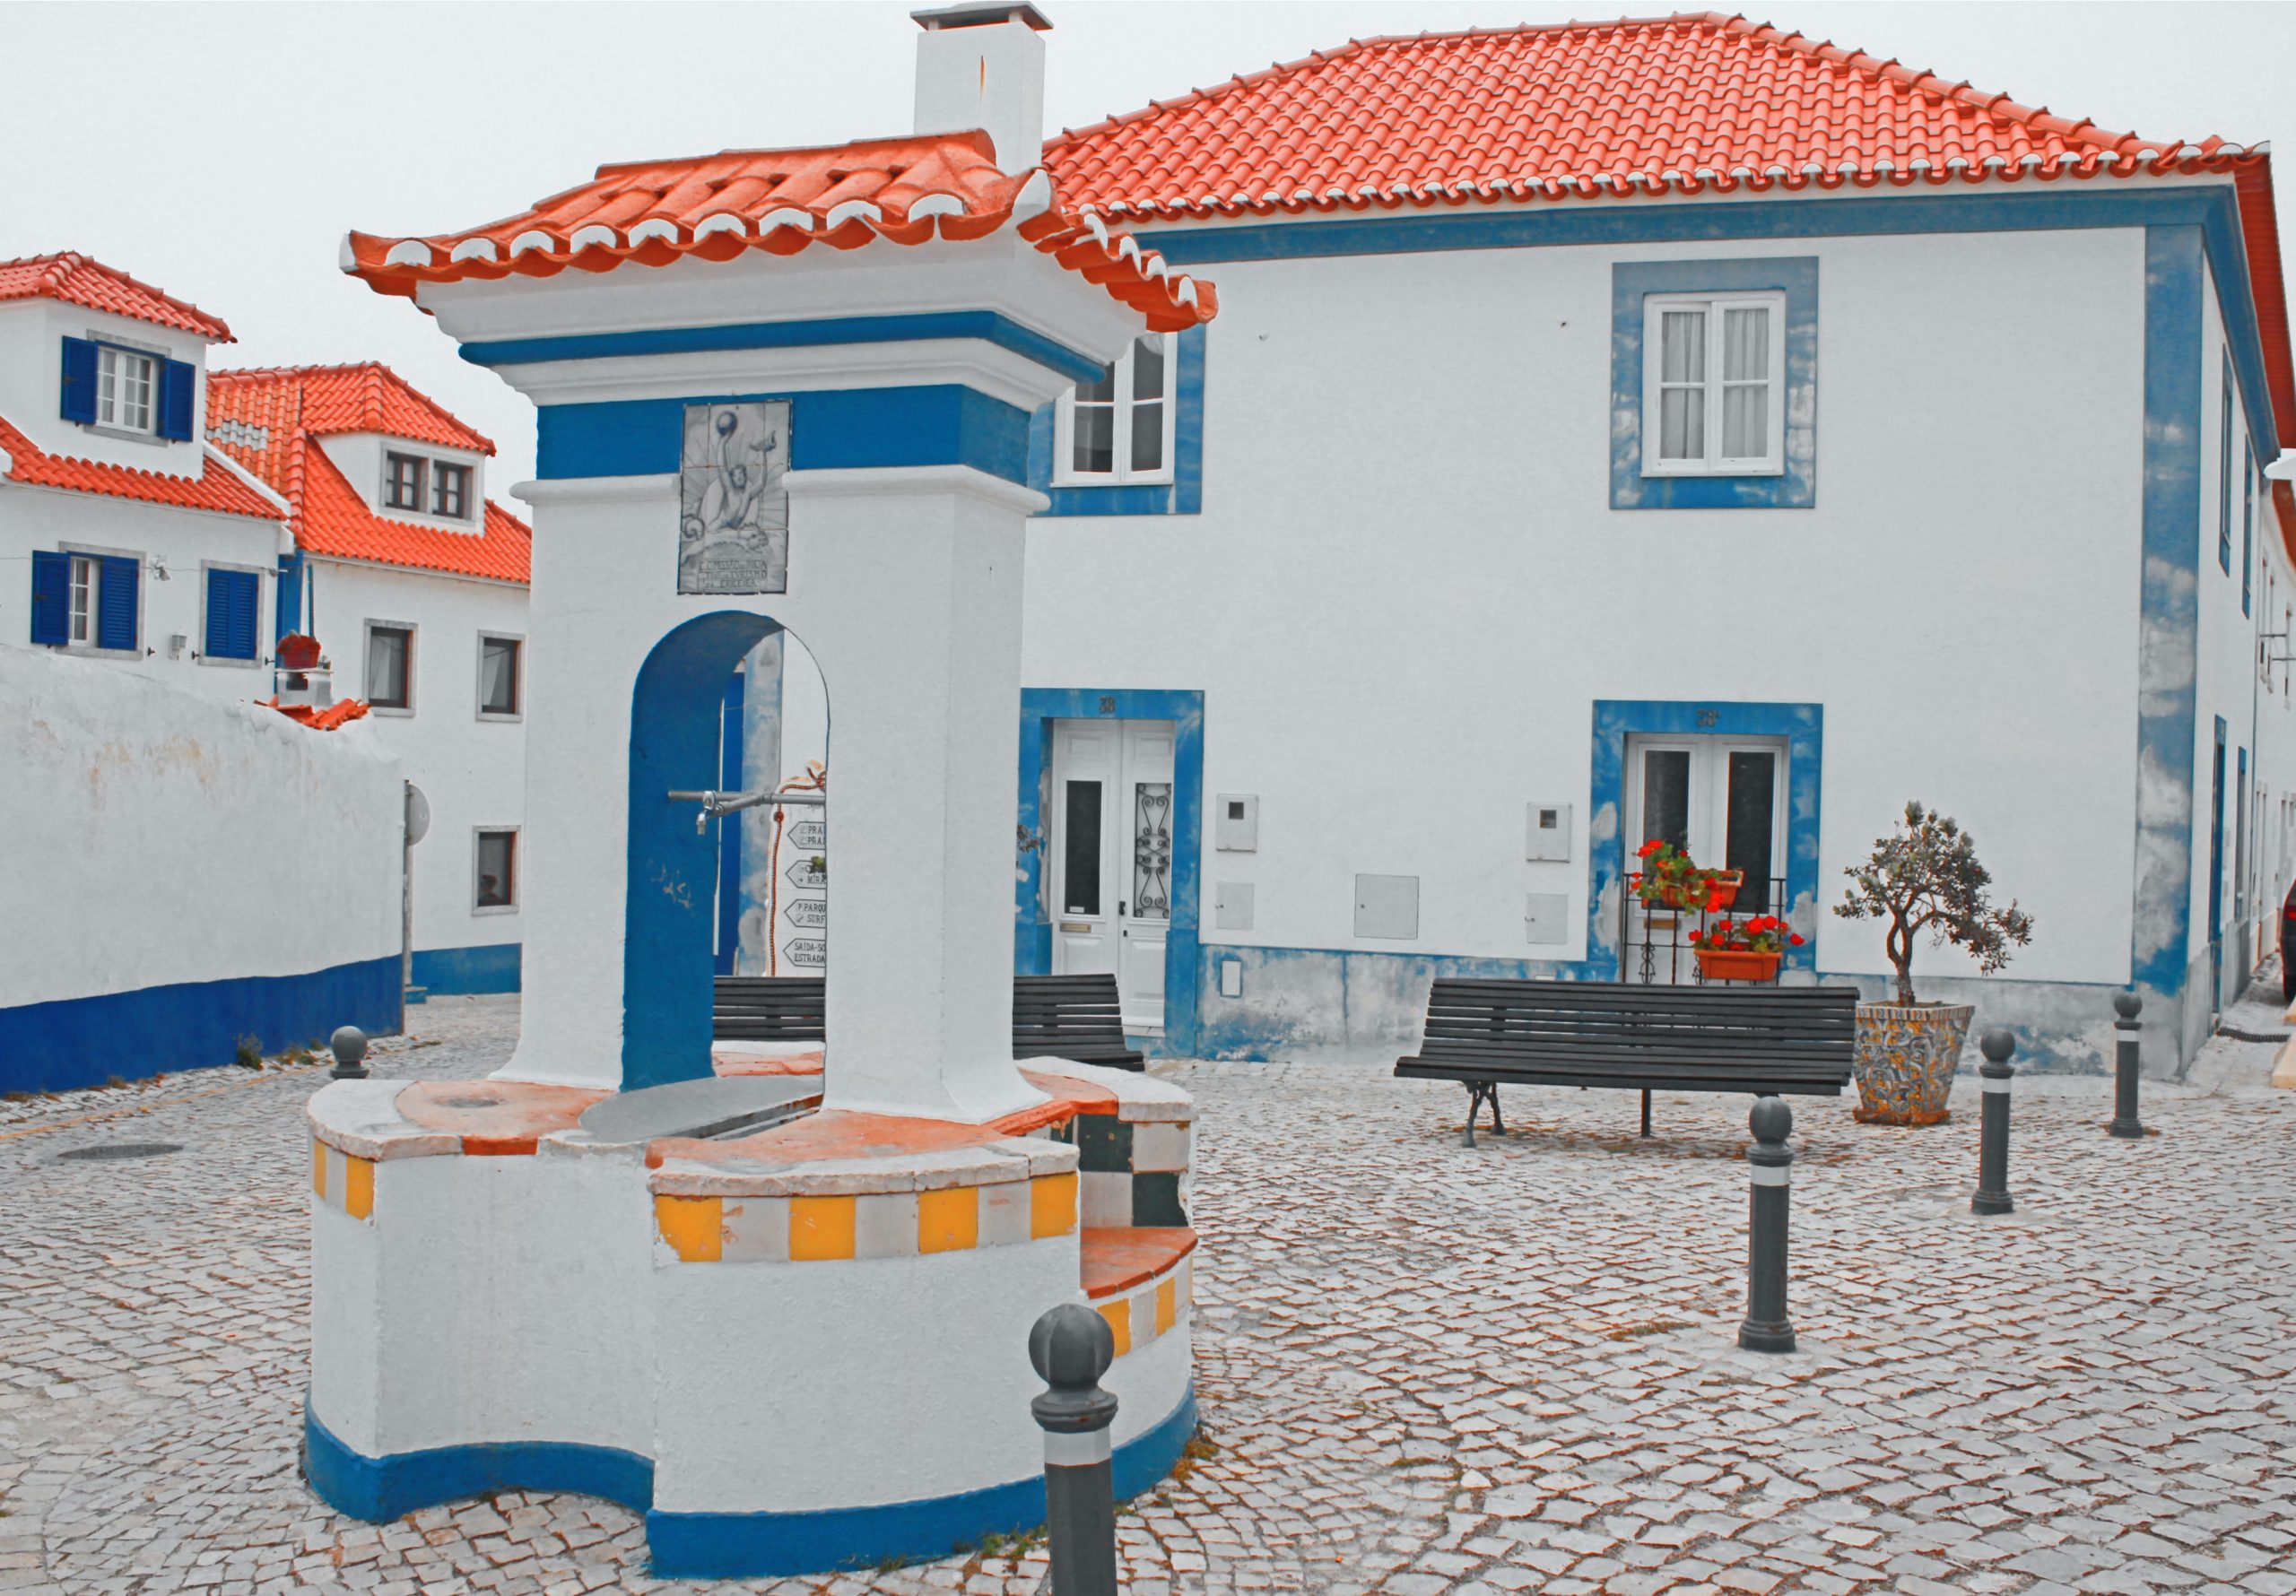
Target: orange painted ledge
[(495, 1118), (831, 1133), (1118, 1258), (795, 1064)]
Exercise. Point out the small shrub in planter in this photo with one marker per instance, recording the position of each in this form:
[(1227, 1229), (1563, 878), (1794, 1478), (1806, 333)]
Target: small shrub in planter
[(1669, 881), (1924, 877)]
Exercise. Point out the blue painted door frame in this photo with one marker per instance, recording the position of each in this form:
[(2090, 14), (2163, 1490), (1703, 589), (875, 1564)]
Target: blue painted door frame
[(1031, 911), (1802, 726)]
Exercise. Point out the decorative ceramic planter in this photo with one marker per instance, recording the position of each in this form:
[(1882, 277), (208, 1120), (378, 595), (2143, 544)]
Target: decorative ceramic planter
[(1905, 1061), (1738, 964)]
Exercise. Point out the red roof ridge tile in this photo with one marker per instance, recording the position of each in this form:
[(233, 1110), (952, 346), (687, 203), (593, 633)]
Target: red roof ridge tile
[(56, 276)]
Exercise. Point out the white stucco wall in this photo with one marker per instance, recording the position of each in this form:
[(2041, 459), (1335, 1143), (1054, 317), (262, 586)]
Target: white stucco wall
[(1407, 587), (471, 768), (183, 541), (157, 836)]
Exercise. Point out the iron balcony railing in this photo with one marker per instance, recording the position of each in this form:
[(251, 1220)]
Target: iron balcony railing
[(1654, 942)]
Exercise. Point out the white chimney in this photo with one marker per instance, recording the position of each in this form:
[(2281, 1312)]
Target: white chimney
[(982, 65)]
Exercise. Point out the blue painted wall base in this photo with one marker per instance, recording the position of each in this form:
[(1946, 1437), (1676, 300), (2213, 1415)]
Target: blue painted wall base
[(713, 1545), (454, 972), (193, 1025)]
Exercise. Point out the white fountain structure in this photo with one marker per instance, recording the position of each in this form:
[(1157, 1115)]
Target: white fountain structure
[(786, 1316)]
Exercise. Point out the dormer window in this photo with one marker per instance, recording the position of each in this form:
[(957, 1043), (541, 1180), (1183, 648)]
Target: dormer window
[(134, 393), (450, 490), (126, 382), (403, 477), (425, 486)]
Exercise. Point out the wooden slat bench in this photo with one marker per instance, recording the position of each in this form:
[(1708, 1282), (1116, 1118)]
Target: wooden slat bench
[(1766, 1040), (1077, 1018)]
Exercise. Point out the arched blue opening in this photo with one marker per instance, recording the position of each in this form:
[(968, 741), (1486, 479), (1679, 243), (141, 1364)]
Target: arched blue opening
[(670, 917)]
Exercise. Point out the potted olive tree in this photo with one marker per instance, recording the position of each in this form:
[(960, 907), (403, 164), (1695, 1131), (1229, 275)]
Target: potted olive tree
[(1923, 877)]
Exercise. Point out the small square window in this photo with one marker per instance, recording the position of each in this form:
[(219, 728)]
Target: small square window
[(390, 667), (498, 675), (450, 490), (495, 885), (125, 389), (403, 477)]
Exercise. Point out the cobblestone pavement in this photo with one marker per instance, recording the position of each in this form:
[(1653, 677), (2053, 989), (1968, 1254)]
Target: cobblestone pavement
[(1422, 1368)]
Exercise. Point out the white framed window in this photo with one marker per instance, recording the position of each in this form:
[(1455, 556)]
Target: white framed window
[(127, 389), (1714, 384), (390, 666), (403, 479), (494, 870), (501, 685), (1118, 428), (87, 575)]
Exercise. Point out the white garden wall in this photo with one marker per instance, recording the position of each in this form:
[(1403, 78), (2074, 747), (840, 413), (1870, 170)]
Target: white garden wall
[(181, 872)]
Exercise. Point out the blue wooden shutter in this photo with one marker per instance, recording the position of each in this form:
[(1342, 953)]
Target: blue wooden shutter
[(79, 380), (231, 598), (176, 391), (51, 597), (116, 611)]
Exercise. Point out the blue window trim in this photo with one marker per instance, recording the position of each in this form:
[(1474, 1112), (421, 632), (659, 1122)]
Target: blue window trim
[(986, 326), (1031, 911), (1182, 496), (1631, 283), (2248, 525), (2224, 469), (1802, 726)]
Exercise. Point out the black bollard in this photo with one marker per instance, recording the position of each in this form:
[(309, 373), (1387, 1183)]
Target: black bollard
[(1072, 1348), (2125, 1124), (349, 1045), (1993, 1144), (1766, 1329)]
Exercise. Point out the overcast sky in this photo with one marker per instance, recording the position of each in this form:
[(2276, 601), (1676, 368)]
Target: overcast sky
[(220, 152)]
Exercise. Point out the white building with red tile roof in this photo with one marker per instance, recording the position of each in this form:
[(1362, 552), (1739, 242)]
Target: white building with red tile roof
[(175, 522), (415, 582)]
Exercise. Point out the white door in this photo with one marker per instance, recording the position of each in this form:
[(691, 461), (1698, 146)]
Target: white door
[(1721, 799), (1109, 844)]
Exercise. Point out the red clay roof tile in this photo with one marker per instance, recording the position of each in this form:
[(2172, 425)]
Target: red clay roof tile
[(1679, 104), (80, 279), (907, 190), (217, 486), (264, 419)]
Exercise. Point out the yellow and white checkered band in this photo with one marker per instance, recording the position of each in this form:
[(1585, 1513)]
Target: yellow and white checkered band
[(866, 1225)]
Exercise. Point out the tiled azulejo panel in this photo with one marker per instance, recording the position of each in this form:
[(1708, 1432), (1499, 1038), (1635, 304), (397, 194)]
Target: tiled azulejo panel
[(810, 1229)]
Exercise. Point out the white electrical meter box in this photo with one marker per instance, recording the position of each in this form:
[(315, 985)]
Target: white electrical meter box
[(1549, 834), (1231, 906), (1545, 916), (1387, 906), (1235, 828)]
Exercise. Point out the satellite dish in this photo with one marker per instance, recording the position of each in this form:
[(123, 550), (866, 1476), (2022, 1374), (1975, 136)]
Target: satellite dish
[(418, 815)]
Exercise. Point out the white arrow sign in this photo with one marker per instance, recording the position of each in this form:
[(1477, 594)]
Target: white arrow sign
[(807, 911)]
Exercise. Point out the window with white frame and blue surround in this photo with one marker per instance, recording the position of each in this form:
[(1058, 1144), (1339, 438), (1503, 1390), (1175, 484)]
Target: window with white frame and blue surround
[(1714, 384), (135, 392), (1128, 441)]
